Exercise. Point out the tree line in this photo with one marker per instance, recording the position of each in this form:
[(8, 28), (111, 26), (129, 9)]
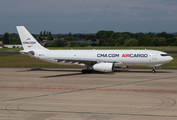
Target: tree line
[(110, 38), (101, 38)]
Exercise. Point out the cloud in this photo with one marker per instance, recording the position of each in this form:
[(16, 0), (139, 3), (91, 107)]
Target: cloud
[(88, 12)]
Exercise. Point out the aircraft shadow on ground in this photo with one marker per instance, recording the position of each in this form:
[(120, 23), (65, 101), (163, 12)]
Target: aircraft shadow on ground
[(111, 73), (138, 71), (68, 70), (94, 72), (41, 69), (62, 75), (73, 74)]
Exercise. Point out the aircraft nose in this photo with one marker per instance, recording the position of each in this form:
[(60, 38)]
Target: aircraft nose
[(170, 58)]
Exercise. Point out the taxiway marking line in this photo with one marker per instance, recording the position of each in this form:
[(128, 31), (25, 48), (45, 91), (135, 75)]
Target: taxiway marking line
[(81, 89), (89, 88), (90, 113)]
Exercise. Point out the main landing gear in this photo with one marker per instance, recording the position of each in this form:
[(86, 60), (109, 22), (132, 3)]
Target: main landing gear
[(87, 71), (153, 70)]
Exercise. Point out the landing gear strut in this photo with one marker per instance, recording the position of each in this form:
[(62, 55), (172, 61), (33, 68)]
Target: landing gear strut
[(153, 70), (87, 71)]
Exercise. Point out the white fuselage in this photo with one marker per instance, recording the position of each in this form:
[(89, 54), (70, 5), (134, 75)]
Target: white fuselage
[(98, 60), (118, 57)]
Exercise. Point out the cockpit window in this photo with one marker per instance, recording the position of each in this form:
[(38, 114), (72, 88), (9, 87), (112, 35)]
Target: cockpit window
[(164, 54)]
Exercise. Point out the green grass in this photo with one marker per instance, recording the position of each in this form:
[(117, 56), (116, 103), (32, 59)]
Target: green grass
[(10, 49), (26, 61), (166, 48)]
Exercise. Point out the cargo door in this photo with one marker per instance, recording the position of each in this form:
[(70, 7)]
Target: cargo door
[(154, 56)]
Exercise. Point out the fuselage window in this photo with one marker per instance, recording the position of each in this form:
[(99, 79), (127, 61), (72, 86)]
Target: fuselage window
[(164, 54)]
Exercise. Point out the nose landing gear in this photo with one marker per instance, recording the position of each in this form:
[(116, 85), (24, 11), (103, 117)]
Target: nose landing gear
[(153, 70)]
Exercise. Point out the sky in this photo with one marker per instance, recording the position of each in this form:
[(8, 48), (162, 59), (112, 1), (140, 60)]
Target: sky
[(88, 16)]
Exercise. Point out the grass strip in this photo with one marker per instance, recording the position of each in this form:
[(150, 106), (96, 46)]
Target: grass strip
[(26, 61), (161, 48)]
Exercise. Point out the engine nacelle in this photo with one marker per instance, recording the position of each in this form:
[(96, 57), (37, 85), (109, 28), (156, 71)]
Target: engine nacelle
[(103, 67)]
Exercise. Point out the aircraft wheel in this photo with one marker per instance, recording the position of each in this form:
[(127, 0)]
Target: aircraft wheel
[(153, 71), (89, 71), (84, 71)]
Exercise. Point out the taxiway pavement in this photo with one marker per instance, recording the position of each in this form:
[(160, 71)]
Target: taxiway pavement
[(66, 93)]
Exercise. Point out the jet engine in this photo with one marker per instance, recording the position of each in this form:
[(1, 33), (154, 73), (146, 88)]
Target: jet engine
[(103, 67)]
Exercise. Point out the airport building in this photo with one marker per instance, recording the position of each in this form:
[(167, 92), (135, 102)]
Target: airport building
[(13, 45)]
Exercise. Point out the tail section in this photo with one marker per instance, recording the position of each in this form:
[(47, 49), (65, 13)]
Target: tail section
[(27, 40)]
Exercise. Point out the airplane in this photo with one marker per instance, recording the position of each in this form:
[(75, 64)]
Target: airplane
[(97, 60)]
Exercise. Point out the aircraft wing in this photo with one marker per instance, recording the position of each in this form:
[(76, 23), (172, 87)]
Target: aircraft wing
[(82, 60)]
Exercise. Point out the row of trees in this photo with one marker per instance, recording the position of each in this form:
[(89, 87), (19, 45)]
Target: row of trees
[(110, 38), (10, 38), (72, 37), (46, 35), (63, 43), (142, 41), (105, 38)]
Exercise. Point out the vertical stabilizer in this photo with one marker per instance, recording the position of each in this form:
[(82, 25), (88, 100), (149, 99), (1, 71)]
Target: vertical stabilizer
[(27, 40)]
